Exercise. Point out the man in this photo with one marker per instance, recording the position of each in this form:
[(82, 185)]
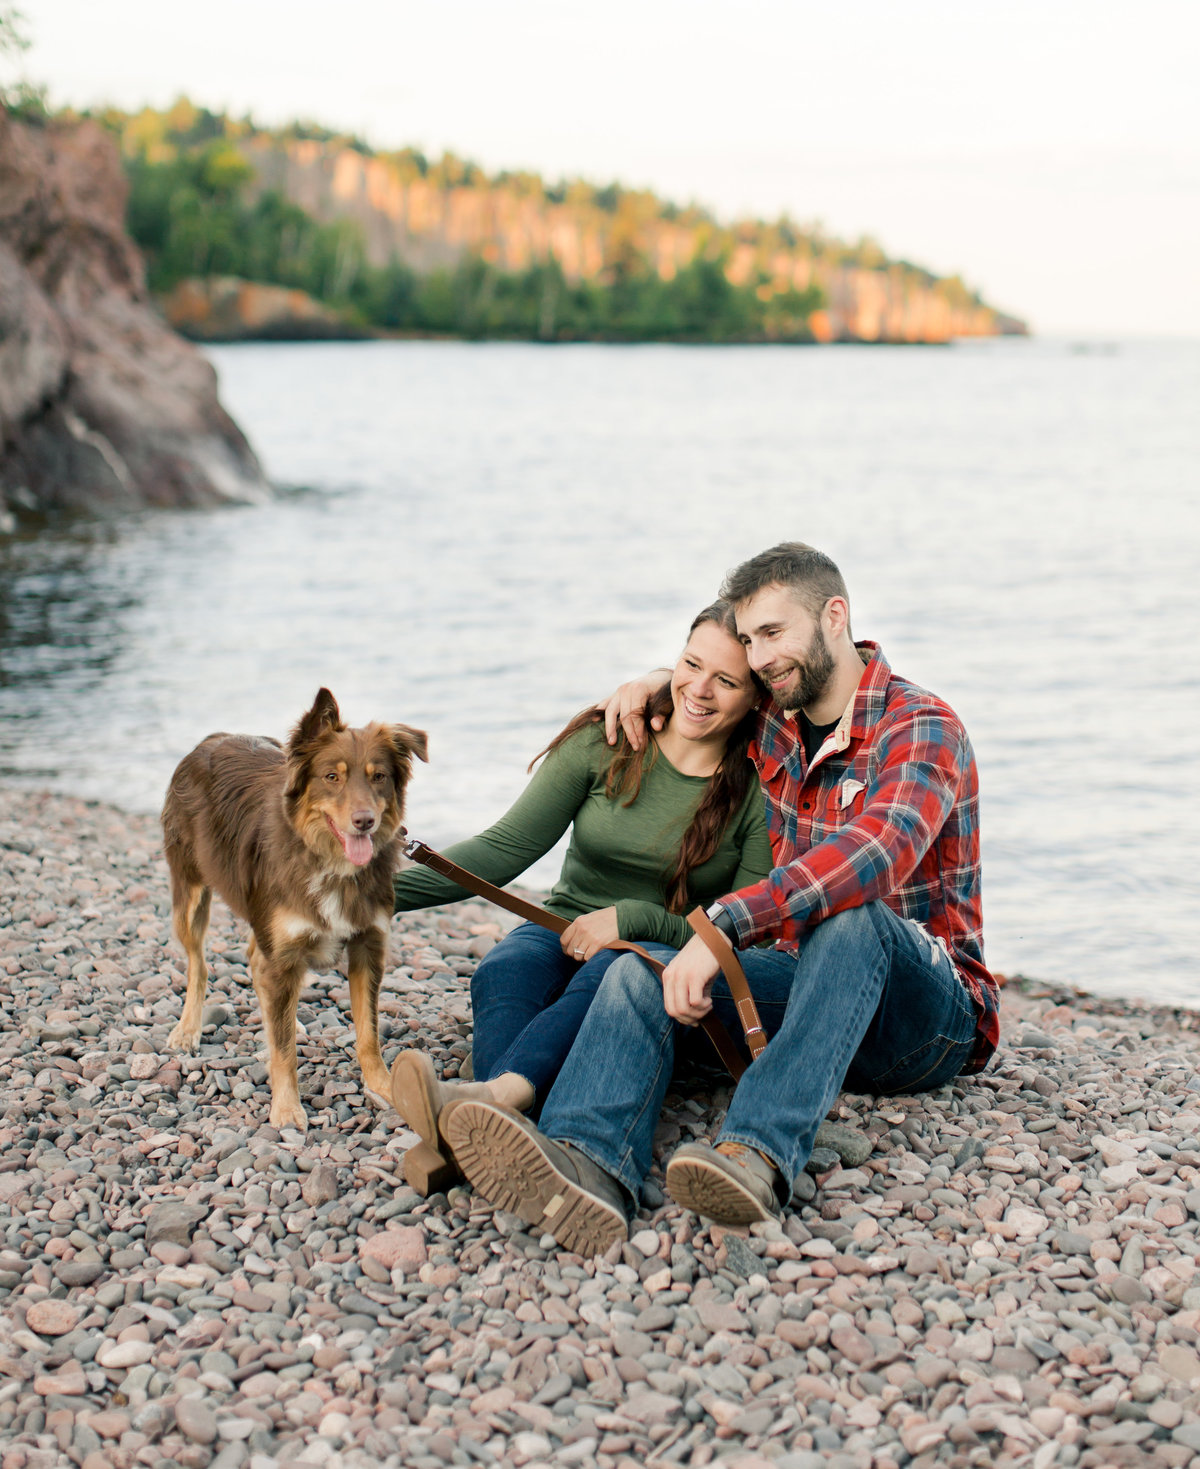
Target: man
[(876, 979)]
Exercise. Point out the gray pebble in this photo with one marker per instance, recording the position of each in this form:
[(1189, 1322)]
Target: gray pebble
[(852, 1146), (821, 1160), (740, 1258)]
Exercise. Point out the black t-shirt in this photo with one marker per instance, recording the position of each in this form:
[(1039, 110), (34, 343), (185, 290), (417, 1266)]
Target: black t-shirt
[(815, 735)]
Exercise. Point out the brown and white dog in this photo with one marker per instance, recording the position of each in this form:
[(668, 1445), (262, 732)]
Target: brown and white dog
[(302, 843)]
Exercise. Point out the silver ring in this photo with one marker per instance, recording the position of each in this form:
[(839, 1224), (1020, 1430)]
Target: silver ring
[(579, 953)]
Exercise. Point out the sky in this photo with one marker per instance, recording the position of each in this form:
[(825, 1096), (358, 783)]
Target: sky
[(1048, 151)]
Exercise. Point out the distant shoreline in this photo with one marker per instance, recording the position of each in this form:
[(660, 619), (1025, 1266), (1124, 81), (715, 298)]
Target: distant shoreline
[(358, 338)]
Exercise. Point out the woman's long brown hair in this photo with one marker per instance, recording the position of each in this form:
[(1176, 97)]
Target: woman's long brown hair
[(726, 789)]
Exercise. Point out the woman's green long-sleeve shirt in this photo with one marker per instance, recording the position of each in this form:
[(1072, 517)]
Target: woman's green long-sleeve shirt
[(619, 855)]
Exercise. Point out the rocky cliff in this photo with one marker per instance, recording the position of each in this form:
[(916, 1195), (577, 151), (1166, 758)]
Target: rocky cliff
[(430, 220), (101, 405)]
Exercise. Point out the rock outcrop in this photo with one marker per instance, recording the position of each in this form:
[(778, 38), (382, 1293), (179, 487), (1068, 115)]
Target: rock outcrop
[(101, 404), (223, 308)]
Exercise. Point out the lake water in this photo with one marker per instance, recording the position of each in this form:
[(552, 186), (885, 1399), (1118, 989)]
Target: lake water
[(479, 539)]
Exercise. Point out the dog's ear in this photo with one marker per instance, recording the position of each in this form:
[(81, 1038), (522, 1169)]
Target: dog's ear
[(323, 715), (409, 741)]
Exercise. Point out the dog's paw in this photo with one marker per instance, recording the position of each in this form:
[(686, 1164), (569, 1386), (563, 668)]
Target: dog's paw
[(376, 1080), (184, 1039), (288, 1114)]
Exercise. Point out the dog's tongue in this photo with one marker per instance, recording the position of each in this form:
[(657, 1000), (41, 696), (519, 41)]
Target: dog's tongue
[(358, 849)]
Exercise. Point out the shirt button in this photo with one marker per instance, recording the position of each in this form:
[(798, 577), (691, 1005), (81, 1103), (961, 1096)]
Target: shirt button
[(806, 805)]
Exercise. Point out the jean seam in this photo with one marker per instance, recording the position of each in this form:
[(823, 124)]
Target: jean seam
[(966, 1006), (948, 1045), (960, 998), (846, 1051), (625, 1172), (627, 1161)]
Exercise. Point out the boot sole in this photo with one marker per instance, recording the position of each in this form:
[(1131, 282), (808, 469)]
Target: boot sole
[(433, 1165), (708, 1190), (505, 1163)]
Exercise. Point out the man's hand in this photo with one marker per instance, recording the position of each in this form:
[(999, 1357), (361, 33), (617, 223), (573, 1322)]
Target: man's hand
[(590, 933), (627, 707), (688, 980)]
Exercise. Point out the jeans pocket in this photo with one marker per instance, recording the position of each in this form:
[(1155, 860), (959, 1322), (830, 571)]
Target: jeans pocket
[(932, 1064)]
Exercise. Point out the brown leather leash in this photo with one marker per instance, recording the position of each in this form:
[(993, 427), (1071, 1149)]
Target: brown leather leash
[(699, 921)]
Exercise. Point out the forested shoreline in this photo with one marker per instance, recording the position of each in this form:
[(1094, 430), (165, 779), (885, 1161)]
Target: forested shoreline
[(435, 246)]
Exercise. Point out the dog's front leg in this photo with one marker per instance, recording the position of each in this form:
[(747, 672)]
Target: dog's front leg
[(189, 915), (366, 955), (277, 982)]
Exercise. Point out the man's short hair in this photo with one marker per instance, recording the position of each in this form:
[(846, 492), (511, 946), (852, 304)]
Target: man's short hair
[(805, 571)]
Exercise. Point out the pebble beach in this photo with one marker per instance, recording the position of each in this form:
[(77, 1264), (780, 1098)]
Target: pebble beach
[(1003, 1272)]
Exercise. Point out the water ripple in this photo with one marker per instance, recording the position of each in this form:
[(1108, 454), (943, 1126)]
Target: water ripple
[(479, 539)]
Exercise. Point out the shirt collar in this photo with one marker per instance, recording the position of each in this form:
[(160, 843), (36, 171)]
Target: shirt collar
[(867, 702), (870, 697)]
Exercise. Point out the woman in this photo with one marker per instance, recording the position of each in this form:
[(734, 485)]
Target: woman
[(654, 833)]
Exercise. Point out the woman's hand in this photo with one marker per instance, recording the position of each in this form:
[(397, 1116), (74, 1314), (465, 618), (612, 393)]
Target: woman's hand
[(590, 933), (627, 707)]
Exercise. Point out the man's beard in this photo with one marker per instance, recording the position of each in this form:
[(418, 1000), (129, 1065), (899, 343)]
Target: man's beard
[(813, 675)]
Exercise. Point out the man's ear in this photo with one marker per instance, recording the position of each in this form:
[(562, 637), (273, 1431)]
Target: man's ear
[(836, 617)]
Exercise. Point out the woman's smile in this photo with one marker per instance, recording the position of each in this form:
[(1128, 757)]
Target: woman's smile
[(712, 689), (696, 711)]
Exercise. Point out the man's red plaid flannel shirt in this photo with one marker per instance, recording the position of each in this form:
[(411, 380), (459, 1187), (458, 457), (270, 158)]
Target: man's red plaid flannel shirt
[(888, 809)]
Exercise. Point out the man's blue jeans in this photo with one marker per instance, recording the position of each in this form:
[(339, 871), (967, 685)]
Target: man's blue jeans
[(529, 1000), (870, 1002)]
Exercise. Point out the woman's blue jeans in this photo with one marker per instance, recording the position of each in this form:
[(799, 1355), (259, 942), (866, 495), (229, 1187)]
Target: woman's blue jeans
[(529, 1000), (870, 1002)]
